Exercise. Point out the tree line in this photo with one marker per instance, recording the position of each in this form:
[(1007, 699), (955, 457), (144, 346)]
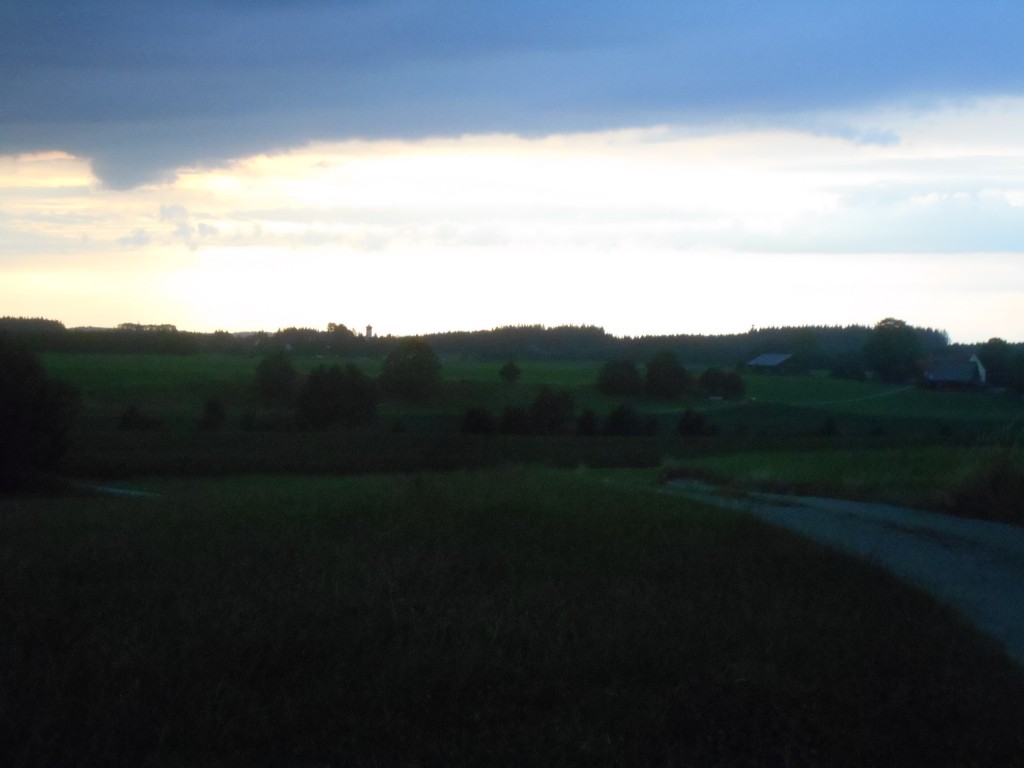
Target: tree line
[(812, 347)]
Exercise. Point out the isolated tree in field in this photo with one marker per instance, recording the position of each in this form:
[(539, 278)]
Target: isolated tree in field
[(666, 377), (36, 414), (620, 378), (276, 377), (334, 395), (510, 372), (411, 372), (893, 350)]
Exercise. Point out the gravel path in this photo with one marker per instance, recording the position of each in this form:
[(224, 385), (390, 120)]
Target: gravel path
[(975, 566)]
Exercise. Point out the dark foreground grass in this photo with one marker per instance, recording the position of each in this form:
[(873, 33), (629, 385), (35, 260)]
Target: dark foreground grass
[(506, 618)]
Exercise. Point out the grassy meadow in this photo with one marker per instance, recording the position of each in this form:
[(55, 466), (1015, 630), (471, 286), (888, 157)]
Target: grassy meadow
[(508, 617)]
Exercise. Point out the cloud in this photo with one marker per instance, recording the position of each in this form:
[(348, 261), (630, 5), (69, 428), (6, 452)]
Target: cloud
[(145, 89), (140, 238), (173, 213)]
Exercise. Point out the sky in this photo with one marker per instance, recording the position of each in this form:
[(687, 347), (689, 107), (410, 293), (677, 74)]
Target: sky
[(650, 167)]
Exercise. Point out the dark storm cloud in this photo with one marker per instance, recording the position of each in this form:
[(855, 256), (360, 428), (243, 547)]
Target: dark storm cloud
[(144, 87)]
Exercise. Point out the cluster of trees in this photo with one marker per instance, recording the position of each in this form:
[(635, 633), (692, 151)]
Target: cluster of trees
[(664, 377), (552, 412), (343, 395), (894, 352)]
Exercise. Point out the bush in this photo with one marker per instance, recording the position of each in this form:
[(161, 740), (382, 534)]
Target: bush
[(36, 414), (994, 491), (478, 421), (693, 423), (627, 421)]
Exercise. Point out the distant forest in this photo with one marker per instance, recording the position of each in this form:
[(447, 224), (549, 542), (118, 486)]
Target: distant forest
[(812, 347)]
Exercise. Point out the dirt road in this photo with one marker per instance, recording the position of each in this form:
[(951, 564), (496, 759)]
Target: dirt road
[(973, 565)]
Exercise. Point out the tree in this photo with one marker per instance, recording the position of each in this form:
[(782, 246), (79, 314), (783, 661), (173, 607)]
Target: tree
[(849, 366), (715, 382), (551, 412), (620, 378), (36, 414), (893, 350), (334, 395), (411, 372), (666, 378), (276, 377), (341, 339), (999, 359), (510, 372)]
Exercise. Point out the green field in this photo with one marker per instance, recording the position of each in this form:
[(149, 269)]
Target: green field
[(510, 617), (814, 418)]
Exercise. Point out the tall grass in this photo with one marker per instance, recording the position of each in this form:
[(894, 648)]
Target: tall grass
[(979, 481), (993, 488), (504, 618)]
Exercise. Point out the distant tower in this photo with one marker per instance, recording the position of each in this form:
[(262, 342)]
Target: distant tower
[(369, 331)]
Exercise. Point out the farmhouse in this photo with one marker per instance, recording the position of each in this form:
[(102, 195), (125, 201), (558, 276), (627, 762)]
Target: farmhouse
[(772, 362), (954, 372)]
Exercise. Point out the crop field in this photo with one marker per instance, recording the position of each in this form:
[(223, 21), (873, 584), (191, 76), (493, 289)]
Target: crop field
[(508, 617)]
